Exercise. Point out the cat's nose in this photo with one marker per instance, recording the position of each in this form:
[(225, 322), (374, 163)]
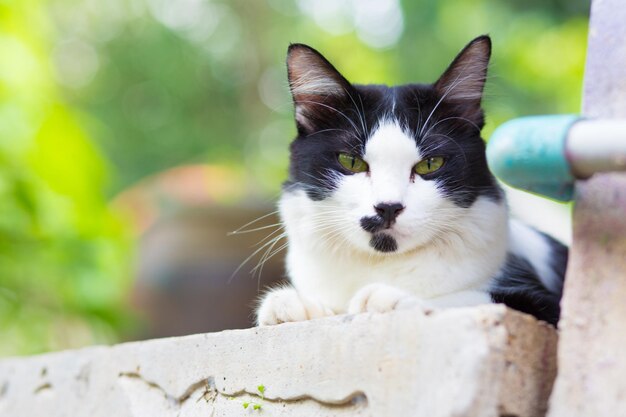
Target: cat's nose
[(389, 212)]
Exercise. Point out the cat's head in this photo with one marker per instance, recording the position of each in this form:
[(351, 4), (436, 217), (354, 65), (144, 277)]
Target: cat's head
[(389, 169)]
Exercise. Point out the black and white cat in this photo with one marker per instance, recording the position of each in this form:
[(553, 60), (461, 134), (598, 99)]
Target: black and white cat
[(390, 203)]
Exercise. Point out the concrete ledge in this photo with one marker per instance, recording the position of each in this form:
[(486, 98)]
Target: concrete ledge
[(483, 362)]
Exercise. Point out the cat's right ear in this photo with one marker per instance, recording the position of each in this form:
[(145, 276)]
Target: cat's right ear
[(464, 80), (317, 88)]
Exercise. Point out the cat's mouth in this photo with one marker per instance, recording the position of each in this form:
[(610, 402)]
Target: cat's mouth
[(381, 239)]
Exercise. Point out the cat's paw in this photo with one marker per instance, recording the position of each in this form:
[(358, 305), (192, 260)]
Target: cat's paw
[(285, 305), (381, 298)]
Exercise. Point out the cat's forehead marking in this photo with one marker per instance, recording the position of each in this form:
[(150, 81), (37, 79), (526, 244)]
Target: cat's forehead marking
[(389, 143)]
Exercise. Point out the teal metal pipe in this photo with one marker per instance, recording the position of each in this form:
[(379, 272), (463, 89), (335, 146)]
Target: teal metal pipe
[(529, 153), (547, 154)]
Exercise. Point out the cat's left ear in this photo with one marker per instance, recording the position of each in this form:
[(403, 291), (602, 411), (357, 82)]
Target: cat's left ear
[(317, 88), (464, 80)]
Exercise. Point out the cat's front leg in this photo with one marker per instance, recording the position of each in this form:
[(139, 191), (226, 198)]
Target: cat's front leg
[(285, 304), (381, 298)]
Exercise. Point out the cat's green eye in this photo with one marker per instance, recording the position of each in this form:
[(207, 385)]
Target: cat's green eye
[(429, 165), (352, 163)]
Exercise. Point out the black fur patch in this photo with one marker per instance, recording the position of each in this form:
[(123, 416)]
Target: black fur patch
[(383, 243), (519, 287), (372, 224)]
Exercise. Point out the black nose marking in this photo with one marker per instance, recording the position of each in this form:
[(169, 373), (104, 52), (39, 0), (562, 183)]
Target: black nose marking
[(389, 212)]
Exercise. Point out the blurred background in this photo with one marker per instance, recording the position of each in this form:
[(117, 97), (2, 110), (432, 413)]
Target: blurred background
[(135, 134)]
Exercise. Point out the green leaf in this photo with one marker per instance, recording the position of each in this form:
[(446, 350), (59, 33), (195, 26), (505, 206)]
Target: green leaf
[(257, 406), (245, 405), (261, 389)]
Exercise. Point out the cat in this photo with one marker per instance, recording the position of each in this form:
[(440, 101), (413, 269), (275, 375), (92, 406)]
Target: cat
[(390, 203)]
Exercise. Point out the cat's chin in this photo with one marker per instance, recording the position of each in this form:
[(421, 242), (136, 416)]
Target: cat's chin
[(383, 242), (391, 243)]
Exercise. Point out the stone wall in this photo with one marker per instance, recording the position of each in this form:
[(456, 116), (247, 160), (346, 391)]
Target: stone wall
[(592, 363), (485, 362)]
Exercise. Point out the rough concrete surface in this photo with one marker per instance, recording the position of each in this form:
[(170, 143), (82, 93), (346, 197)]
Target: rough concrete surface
[(485, 362), (592, 363)]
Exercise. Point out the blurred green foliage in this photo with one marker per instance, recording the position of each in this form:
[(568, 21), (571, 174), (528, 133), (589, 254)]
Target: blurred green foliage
[(62, 252), (194, 80), (96, 95)]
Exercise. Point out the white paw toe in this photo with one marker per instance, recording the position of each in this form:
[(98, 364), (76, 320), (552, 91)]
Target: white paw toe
[(381, 298), (286, 305)]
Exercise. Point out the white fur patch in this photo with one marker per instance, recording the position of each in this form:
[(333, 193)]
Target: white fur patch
[(391, 155), (529, 244)]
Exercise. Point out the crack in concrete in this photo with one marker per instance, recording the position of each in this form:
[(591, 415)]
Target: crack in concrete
[(207, 383), (353, 399), (210, 394), (43, 387)]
